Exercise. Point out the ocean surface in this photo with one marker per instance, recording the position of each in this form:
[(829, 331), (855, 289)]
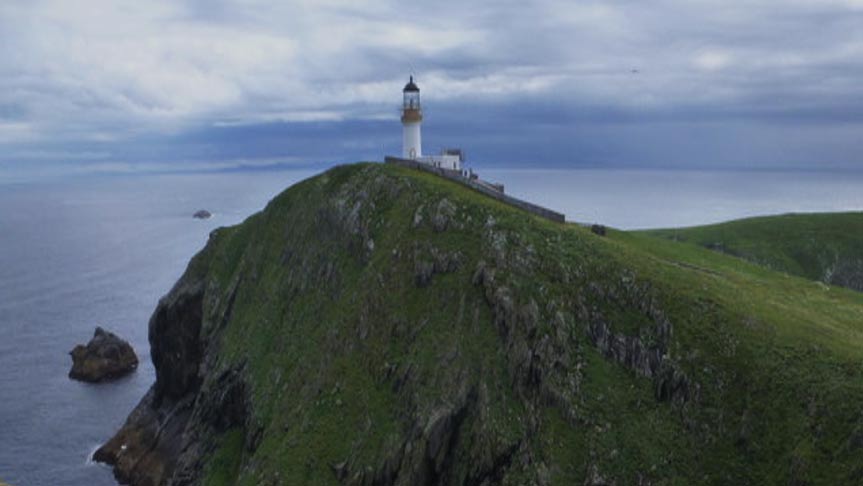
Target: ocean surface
[(86, 253), (641, 199), (101, 251)]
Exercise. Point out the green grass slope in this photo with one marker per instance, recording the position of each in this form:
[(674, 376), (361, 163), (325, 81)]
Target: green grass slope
[(392, 327), (827, 247)]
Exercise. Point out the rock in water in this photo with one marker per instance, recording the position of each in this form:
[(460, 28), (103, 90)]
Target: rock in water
[(202, 214), (105, 357)]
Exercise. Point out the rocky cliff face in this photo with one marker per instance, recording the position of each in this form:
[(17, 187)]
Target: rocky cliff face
[(375, 326), (147, 449)]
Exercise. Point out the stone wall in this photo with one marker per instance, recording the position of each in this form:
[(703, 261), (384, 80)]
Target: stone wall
[(480, 186)]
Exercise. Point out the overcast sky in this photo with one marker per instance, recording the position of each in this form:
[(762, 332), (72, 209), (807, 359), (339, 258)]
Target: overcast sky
[(96, 85)]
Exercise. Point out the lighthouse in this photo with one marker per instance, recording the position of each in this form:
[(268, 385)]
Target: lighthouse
[(412, 118)]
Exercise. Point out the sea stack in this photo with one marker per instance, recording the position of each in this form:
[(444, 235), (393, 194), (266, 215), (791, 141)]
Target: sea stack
[(105, 357)]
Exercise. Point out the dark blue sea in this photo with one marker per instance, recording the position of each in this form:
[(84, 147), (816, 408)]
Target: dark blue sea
[(100, 251), (84, 253)]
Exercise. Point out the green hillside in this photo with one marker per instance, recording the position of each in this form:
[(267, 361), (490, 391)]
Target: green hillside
[(824, 247), (377, 325)]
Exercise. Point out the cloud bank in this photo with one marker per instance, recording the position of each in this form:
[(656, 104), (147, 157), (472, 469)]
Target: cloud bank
[(126, 83)]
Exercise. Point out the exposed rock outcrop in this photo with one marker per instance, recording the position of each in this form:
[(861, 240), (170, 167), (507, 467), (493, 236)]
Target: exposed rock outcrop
[(443, 214), (845, 273), (202, 214), (430, 261), (105, 357)]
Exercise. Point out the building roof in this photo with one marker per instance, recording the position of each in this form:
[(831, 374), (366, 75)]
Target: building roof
[(411, 87)]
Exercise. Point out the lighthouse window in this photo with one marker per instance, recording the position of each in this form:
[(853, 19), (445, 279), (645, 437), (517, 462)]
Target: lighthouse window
[(411, 101)]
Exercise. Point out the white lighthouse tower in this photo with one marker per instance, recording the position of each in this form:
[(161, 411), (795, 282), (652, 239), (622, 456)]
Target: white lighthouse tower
[(412, 118)]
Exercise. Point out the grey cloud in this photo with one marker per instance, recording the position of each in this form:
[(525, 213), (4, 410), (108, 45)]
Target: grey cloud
[(129, 74)]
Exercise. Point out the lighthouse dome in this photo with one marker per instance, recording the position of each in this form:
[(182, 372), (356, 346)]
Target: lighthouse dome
[(411, 87)]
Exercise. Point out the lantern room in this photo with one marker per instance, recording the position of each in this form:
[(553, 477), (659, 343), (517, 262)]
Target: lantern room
[(411, 96)]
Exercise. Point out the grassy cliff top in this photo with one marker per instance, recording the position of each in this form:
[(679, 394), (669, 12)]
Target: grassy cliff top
[(390, 327), (827, 247)]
